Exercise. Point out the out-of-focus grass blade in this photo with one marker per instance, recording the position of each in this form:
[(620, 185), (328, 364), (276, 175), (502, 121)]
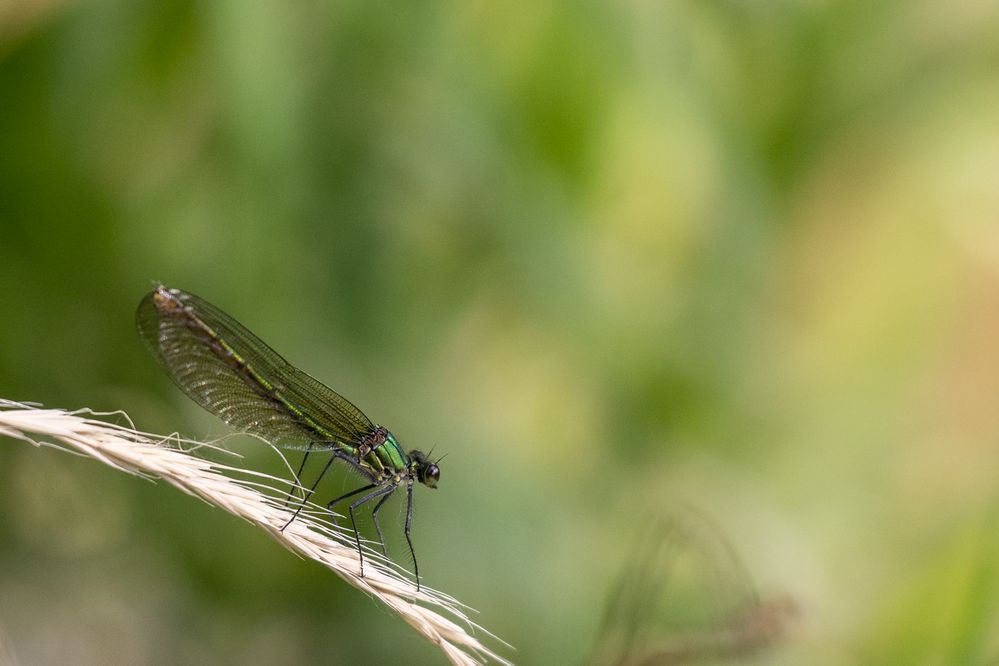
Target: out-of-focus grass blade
[(685, 597)]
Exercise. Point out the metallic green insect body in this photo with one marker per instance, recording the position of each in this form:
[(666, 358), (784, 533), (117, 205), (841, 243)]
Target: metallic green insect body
[(233, 374)]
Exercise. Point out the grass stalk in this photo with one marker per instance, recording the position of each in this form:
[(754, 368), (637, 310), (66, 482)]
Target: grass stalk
[(258, 499)]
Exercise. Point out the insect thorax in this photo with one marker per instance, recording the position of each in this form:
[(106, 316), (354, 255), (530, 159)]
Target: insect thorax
[(381, 455)]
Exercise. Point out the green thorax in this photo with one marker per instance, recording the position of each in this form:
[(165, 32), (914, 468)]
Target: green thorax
[(381, 455)]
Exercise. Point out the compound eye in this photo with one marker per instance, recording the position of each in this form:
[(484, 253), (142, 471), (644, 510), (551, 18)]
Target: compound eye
[(432, 475)]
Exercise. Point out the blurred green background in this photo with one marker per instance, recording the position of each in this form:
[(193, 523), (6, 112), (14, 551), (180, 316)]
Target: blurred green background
[(607, 256)]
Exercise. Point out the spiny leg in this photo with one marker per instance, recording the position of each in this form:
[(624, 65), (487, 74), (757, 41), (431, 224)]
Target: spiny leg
[(378, 528), (298, 477), (330, 505), (353, 523), (409, 540), (335, 455)]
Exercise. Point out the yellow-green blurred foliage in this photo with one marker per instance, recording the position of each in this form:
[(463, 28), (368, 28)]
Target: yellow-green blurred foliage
[(607, 256)]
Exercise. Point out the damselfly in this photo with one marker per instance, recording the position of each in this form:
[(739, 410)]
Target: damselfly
[(233, 374)]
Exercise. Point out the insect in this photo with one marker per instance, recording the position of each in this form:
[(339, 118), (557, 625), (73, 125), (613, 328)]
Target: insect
[(684, 597), (233, 374)]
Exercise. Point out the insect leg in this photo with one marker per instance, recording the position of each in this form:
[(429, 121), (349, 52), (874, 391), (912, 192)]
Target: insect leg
[(409, 540), (341, 498), (298, 477), (378, 528), (334, 456), (353, 523)]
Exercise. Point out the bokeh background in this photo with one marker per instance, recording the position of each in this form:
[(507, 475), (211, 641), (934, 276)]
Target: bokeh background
[(612, 258)]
